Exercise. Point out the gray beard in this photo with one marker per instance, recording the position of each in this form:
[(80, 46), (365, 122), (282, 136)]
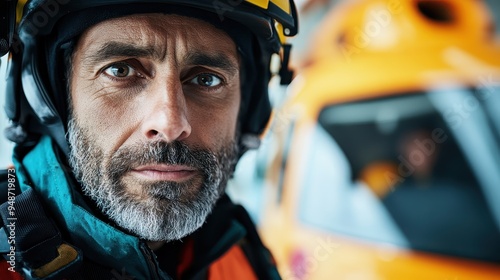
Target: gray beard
[(162, 211)]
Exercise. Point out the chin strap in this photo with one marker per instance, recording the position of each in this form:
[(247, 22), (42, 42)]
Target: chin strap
[(285, 72)]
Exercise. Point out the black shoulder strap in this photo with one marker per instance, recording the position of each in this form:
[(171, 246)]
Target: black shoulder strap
[(8, 183), (29, 240)]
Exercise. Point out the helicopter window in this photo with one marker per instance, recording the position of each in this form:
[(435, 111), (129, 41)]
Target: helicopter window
[(403, 150)]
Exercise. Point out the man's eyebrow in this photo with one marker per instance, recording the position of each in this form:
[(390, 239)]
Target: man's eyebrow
[(218, 60), (118, 49)]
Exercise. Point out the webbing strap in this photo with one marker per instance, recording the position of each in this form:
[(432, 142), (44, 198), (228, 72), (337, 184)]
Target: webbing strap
[(33, 241), (285, 72)]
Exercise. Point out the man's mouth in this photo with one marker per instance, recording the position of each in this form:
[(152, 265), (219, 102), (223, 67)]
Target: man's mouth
[(165, 172)]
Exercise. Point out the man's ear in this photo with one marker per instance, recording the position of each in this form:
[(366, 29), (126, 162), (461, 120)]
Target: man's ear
[(7, 24)]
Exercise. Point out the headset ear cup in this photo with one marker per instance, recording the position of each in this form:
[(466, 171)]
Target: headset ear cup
[(13, 100), (35, 88), (17, 107), (33, 113), (37, 95), (258, 114), (13, 90), (257, 110)]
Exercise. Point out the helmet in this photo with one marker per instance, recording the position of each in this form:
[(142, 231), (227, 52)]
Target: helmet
[(36, 92)]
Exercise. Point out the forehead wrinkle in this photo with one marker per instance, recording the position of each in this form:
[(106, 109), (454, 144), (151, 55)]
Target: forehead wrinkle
[(116, 49), (141, 41), (151, 37)]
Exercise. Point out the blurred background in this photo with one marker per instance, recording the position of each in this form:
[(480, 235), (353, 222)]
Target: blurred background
[(382, 160)]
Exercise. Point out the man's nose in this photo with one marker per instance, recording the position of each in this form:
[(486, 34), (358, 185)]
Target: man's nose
[(167, 117)]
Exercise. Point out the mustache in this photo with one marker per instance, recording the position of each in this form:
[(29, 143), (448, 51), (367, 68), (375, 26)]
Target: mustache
[(159, 152)]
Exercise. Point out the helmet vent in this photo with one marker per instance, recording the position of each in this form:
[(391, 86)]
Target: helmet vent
[(437, 11)]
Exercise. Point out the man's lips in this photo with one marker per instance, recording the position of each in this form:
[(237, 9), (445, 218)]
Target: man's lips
[(165, 172)]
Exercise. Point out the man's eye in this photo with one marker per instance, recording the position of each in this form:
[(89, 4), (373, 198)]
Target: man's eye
[(120, 70), (206, 80)]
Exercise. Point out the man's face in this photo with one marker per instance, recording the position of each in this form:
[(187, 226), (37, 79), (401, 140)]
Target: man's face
[(155, 100)]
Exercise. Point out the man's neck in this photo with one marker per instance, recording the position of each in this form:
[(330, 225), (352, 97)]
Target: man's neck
[(155, 245)]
